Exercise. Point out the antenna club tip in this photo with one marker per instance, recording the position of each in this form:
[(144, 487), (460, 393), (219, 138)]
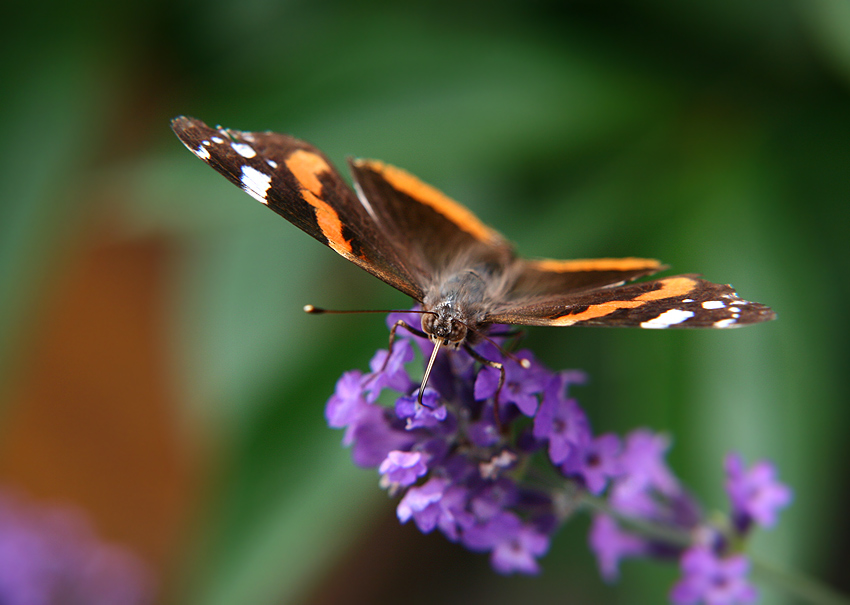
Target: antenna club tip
[(525, 363), (311, 309)]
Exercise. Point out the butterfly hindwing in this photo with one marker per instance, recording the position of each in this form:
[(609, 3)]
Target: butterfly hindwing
[(681, 301), (546, 277), (298, 182)]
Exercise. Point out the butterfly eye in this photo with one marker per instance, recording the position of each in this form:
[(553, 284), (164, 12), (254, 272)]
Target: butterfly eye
[(457, 334), (444, 328)]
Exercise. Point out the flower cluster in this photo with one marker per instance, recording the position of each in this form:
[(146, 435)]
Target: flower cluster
[(499, 470), (51, 556)]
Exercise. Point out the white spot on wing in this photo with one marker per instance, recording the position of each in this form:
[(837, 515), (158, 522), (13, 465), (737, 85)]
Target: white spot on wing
[(724, 323), (687, 300), (255, 183), (218, 140), (246, 151), (671, 317), (202, 152), (271, 163), (713, 304)]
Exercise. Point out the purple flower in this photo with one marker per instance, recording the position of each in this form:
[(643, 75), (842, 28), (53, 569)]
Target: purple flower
[(470, 470), (756, 495), (515, 546), (643, 463), (347, 403), (402, 468), (493, 499), (485, 432), (420, 503), (52, 556), (595, 463), (645, 487), (436, 503), (560, 421), (611, 544), (429, 414), (713, 580), (394, 375), (521, 385), (374, 435)]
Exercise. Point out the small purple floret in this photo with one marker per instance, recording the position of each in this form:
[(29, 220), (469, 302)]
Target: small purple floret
[(713, 580), (347, 403), (561, 421), (756, 494), (595, 463), (644, 463), (521, 386), (429, 414), (402, 468), (515, 546), (394, 375), (611, 544)]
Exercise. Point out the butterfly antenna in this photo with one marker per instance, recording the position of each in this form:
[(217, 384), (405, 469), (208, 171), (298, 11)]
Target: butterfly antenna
[(313, 310), (428, 372)]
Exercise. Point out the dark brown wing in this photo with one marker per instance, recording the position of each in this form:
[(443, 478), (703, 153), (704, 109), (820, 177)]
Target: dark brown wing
[(682, 301), (547, 277), (298, 182), (439, 235)]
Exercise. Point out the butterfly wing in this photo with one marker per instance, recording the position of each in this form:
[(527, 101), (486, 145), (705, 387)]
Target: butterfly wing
[(536, 278), (438, 234), (681, 301), (298, 182)]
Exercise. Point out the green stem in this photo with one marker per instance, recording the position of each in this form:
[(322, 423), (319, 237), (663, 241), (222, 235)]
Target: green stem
[(803, 587)]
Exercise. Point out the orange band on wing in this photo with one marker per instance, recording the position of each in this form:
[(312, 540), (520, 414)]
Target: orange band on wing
[(426, 194), (670, 288), (329, 223), (306, 167), (595, 264)]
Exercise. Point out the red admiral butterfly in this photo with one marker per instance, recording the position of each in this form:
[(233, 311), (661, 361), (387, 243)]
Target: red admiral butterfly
[(465, 274)]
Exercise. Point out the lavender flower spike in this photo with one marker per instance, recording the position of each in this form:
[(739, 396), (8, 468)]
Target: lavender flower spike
[(500, 471)]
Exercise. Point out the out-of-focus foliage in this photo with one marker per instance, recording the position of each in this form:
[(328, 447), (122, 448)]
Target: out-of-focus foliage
[(714, 135)]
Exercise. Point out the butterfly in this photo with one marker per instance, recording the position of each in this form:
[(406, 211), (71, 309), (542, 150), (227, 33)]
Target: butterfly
[(465, 275)]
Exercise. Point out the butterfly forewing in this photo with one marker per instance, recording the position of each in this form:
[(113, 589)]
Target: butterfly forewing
[(298, 182)]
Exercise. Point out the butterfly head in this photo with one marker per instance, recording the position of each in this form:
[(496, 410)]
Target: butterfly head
[(445, 325)]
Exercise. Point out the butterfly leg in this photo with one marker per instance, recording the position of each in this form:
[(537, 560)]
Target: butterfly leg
[(416, 332), (403, 324), (497, 366)]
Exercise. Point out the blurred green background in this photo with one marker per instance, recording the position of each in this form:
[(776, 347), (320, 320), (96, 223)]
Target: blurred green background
[(156, 369)]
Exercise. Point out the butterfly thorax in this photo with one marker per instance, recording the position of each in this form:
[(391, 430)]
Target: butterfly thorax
[(458, 306)]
